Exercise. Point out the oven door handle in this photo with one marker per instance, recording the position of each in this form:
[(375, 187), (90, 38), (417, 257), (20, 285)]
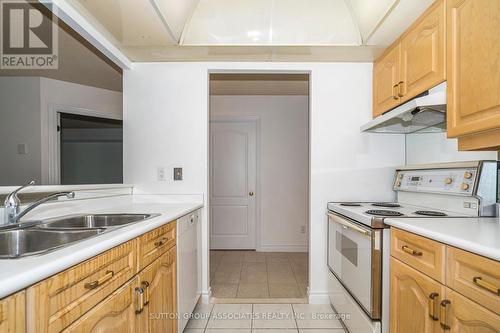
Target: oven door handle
[(348, 224)]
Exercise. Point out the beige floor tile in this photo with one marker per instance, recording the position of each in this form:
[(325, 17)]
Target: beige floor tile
[(315, 316), (194, 330), (303, 290), (231, 316), (284, 290), (274, 330), (322, 330), (302, 276), (227, 290), (277, 257), (233, 257), (280, 273), (200, 316), (227, 273), (253, 290), (253, 273), (254, 257), (273, 316), (228, 330)]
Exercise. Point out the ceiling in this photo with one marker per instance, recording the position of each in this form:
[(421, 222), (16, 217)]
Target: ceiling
[(241, 30), (259, 84)]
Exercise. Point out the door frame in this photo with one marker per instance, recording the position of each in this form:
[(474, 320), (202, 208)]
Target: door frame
[(53, 148), (240, 119)]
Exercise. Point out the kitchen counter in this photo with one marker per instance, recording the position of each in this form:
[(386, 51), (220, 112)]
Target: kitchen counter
[(477, 235), (17, 274)]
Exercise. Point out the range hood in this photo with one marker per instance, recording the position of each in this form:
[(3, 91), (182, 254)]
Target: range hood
[(424, 113)]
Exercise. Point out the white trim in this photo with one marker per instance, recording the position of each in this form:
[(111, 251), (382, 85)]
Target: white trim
[(84, 28), (205, 296), (52, 148), (319, 297), (256, 121), (283, 248)]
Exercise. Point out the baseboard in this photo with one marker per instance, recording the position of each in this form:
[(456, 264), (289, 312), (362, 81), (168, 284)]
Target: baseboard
[(205, 296), (283, 248), (319, 297)]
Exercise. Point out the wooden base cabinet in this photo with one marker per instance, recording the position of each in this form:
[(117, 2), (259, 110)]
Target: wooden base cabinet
[(414, 300), (159, 281), (115, 314), (12, 313)]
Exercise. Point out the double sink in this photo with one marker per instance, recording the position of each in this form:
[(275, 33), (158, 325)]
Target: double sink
[(37, 237)]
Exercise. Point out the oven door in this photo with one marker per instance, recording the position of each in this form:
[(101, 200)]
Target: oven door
[(354, 256)]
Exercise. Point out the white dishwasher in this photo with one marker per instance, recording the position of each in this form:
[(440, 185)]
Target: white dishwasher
[(187, 267)]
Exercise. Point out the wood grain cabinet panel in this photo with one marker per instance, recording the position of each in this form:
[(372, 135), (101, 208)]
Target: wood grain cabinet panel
[(464, 316), (154, 243), (420, 253), (473, 75), (117, 313), (159, 283), (13, 313), (55, 303), (423, 53), (414, 300), (475, 277), (385, 80)]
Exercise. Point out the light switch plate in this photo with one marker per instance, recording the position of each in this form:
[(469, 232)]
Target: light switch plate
[(161, 174), (177, 173), (22, 149)]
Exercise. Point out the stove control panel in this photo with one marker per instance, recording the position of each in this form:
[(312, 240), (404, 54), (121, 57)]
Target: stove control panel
[(450, 181)]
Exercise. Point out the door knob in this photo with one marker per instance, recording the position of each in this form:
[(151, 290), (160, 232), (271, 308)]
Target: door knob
[(251, 194)]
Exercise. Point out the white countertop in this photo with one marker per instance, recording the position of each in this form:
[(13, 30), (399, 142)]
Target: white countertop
[(477, 235), (17, 274)]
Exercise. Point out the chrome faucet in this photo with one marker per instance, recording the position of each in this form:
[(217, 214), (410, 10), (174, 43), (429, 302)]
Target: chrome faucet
[(12, 204)]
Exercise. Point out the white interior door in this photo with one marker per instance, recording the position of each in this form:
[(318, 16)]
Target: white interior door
[(232, 184)]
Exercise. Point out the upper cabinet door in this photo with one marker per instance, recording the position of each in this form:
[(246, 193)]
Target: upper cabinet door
[(385, 81), (423, 53), (473, 48)]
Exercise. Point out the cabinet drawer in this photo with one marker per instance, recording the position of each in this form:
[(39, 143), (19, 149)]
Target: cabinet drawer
[(420, 253), (58, 301), (474, 276), (155, 243)]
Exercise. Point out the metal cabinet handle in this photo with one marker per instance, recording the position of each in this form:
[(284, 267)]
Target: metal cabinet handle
[(139, 300), (348, 225), (251, 194), (444, 314), (478, 281), (101, 281), (411, 251), (433, 299), (145, 288), (394, 94), (161, 241), (400, 89)]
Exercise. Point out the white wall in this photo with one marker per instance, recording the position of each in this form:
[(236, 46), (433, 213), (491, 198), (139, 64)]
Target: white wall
[(166, 124), (424, 148), (284, 165), (19, 124)]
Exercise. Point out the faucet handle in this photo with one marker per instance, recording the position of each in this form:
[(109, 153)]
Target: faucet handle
[(12, 198)]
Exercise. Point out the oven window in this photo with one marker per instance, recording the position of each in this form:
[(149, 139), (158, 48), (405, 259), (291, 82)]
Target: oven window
[(347, 248)]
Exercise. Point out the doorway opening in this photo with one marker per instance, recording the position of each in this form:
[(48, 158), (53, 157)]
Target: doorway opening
[(259, 187), (90, 149)]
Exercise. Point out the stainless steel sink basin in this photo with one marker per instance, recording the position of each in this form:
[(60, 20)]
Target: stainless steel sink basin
[(25, 242), (92, 221)]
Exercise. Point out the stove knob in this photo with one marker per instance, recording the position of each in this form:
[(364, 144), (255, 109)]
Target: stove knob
[(464, 186), (468, 175), (448, 181)]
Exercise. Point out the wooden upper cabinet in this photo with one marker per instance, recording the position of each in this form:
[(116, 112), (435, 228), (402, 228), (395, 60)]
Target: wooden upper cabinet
[(414, 300), (473, 51), (385, 80), (423, 53), (13, 313)]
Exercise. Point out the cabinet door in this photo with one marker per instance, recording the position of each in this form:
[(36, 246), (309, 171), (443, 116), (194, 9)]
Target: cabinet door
[(385, 80), (117, 313), (473, 51), (423, 53), (158, 280), (414, 300), (13, 314), (464, 315)]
